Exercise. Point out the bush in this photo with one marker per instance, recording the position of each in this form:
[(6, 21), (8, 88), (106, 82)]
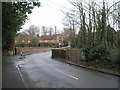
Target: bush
[(36, 45), (56, 45), (74, 42), (114, 55), (86, 51), (96, 53)]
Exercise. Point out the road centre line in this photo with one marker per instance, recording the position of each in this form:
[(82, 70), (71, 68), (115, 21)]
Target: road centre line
[(68, 75)]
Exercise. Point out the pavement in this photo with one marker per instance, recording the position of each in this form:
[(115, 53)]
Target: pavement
[(10, 74), (41, 71)]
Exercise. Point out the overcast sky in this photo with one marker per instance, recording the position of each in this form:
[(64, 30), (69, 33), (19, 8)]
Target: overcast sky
[(49, 14)]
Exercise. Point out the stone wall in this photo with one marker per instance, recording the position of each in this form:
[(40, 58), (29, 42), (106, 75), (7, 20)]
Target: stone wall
[(72, 54), (59, 53)]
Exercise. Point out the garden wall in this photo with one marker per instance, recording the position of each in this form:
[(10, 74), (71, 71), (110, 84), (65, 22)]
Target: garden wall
[(59, 53), (69, 54), (27, 50)]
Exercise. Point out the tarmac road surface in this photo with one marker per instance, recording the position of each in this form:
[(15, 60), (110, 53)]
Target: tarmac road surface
[(41, 71)]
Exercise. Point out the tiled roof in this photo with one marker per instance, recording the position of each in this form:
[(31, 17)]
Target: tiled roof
[(48, 37), (43, 37), (23, 37)]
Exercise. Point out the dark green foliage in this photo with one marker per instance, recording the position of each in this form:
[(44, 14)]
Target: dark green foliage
[(74, 42), (38, 45), (98, 39), (100, 56), (14, 15), (98, 52), (104, 25), (35, 42), (45, 44), (114, 55), (86, 51), (112, 36)]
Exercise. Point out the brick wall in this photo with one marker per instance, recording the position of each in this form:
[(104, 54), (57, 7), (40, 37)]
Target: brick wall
[(68, 54), (31, 50)]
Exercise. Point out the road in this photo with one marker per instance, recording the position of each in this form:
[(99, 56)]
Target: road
[(41, 71)]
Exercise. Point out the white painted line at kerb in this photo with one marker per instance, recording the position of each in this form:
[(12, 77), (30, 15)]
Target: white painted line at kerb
[(68, 75), (18, 67)]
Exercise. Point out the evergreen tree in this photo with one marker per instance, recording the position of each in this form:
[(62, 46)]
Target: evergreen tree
[(14, 15)]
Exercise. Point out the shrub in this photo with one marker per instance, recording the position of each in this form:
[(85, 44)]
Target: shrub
[(74, 42), (36, 45), (56, 45), (96, 53), (86, 51), (114, 55)]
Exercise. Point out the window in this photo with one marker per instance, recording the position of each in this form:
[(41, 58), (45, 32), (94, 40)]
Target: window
[(40, 41), (29, 41), (46, 41)]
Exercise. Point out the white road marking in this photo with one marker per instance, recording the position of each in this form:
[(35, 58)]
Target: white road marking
[(18, 67), (68, 75)]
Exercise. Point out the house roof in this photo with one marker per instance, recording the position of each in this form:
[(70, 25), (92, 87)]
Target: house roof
[(48, 37), (23, 37), (43, 37)]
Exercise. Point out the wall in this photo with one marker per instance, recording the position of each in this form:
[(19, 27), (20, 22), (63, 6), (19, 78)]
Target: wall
[(59, 53), (68, 54), (31, 50)]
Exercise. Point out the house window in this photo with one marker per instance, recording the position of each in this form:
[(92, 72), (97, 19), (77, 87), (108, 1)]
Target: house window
[(46, 41), (15, 40), (57, 37), (29, 41), (40, 41)]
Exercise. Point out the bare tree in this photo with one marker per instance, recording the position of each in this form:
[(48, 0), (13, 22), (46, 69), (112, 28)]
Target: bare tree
[(55, 27), (71, 21), (44, 30), (50, 31), (119, 15), (32, 30)]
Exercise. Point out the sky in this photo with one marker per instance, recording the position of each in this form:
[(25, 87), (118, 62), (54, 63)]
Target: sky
[(49, 14)]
